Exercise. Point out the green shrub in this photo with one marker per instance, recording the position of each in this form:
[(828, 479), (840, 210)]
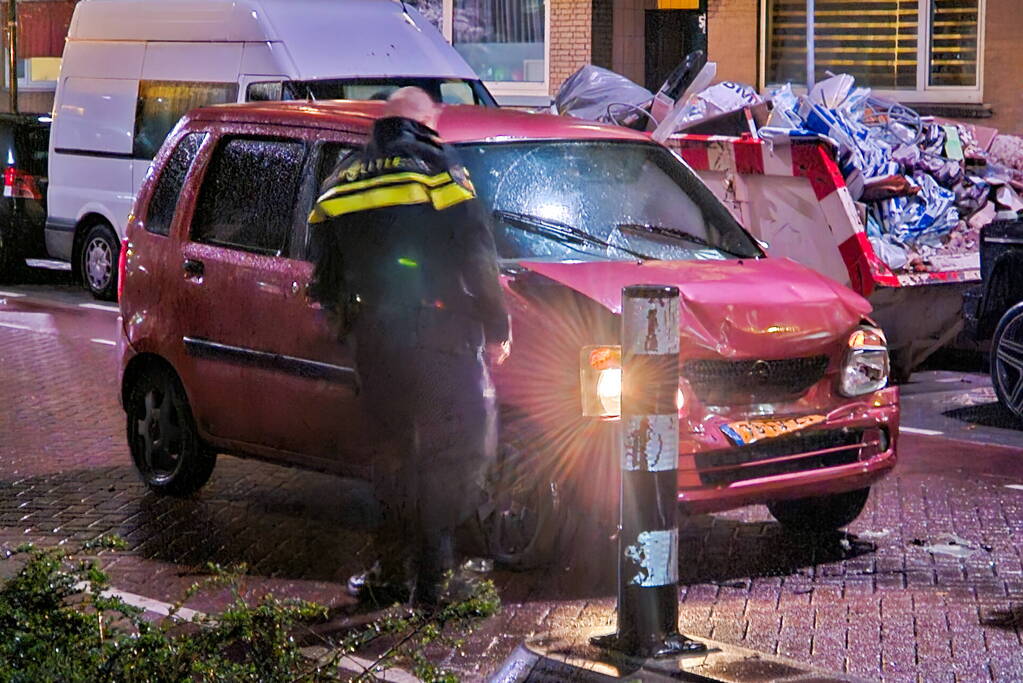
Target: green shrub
[(58, 623)]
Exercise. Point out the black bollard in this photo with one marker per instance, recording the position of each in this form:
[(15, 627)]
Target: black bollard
[(648, 535)]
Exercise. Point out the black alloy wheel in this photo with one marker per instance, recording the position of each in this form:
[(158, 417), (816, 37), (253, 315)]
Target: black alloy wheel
[(523, 517), (165, 446), (99, 257), (1007, 360), (820, 514)]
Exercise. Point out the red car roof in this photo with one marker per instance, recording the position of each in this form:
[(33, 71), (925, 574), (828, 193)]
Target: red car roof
[(458, 123)]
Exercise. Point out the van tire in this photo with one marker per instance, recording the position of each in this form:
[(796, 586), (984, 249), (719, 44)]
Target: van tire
[(165, 446), (98, 259), (820, 514)]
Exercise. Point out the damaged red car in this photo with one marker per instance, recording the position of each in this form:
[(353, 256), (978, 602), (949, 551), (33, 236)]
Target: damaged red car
[(783, 398)]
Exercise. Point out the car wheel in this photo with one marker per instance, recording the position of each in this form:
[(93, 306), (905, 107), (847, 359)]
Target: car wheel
[(523, 516), (820, 513), (99, 255), (165, 446), (1007, 360)]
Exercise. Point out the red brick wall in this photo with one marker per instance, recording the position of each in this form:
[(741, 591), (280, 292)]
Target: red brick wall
[(571, 39), (1003, 64)]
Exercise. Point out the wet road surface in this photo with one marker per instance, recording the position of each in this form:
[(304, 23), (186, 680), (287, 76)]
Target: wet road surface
[(926, 586)]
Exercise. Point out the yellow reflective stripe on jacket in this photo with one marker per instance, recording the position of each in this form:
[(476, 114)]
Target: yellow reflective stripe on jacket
[(449, 195), (392, 195), (387, 179)]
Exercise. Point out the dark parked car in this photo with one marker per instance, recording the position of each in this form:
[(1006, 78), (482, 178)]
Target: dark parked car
[(994, 309), (24, 139)]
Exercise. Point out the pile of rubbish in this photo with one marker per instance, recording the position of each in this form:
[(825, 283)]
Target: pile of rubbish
[(927, 184)]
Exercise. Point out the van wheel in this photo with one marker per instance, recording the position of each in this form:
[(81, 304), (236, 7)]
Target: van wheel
[(820, 514), (1007, 360), (165, 446), (99, 255)]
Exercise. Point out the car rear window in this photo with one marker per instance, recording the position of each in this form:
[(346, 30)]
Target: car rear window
[(168, 186), (31, 148), (248, 196)]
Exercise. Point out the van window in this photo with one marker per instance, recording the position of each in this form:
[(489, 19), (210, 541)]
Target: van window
[(249, 194), (445, 90), (162, 103), (168, 186)]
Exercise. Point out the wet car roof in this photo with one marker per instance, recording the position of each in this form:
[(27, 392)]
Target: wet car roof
[(458, 123)]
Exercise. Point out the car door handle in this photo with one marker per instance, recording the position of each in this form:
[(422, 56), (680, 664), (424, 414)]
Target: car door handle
[(194, 268)]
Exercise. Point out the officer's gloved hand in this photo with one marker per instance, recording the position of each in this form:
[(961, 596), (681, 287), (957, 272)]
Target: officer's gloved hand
[(497, 353)]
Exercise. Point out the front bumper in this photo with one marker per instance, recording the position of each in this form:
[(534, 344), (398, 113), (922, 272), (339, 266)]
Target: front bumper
[(854, 447)]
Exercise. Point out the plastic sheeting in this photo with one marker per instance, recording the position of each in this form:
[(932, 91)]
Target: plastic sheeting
[(597, 94)]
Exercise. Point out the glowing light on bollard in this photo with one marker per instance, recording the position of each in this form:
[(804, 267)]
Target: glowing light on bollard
[(648, 538)]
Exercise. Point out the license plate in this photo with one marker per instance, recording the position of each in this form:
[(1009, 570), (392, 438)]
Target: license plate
[(746, 432)]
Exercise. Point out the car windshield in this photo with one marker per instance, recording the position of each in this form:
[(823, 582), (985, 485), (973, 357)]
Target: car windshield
[(446, 90), (600, 200)]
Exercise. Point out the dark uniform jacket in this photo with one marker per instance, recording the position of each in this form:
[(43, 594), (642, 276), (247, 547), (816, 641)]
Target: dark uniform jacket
[(399, 232)]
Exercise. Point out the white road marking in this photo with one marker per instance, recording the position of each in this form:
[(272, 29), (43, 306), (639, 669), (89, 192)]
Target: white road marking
[(107, 342), (13, 295), (924, 432), (15, 326), (1018, 487), (101, 307)]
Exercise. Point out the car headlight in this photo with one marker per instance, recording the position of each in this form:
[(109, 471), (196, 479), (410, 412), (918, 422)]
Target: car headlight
[(600, 378), (866, 366)]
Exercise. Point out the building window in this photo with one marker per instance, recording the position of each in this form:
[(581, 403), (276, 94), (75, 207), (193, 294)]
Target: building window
[(504, 41), (930, 47), (36, 73)]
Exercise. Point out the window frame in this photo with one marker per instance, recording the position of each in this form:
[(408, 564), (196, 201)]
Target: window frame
[(27, 83), (214, 144), (924, 93), (509, 88)]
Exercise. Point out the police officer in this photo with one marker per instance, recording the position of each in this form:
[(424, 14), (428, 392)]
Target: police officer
[(405, 262)]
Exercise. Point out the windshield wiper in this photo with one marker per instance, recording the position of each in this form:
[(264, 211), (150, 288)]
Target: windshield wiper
[(558, 231), (677, 233)]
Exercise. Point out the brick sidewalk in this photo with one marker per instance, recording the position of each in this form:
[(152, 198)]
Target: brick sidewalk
[(876, 603)]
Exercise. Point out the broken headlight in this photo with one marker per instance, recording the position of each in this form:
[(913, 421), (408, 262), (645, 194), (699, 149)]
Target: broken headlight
[(866, 365)]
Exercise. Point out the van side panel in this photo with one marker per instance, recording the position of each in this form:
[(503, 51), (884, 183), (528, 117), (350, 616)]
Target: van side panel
[(95, 115), (102, 58), (207, 62), (266, 59)]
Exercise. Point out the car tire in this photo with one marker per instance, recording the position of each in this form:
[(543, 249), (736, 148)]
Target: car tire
[(1007, 360), (98, 261), (165, 446), (523, 516), (12, 263), (820, 514)]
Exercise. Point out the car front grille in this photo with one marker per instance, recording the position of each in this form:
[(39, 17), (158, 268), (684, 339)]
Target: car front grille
[(823, 448), (722, 382)]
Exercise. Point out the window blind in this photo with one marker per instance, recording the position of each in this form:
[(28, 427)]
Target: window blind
[(873, 40), (954, 43)]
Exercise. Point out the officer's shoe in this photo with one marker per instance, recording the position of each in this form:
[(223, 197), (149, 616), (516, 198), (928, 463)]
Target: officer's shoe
[(457, 586), (371, 586)]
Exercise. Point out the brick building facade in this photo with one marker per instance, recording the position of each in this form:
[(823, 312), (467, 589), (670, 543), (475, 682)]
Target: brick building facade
[(613, 34)]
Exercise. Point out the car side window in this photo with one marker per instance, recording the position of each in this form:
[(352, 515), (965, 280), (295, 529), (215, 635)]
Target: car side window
[(168, 186), (248, 197), (329, 155)]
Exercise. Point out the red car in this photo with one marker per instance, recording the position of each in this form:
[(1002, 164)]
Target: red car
[(783, 398)]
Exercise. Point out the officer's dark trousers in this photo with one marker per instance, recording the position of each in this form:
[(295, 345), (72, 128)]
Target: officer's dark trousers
[(437, 413)]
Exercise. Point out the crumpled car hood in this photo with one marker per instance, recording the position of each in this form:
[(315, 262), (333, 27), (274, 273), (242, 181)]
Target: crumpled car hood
[(766, 308)]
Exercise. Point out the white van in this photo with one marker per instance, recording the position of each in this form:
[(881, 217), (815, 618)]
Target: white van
[(132, 68)]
